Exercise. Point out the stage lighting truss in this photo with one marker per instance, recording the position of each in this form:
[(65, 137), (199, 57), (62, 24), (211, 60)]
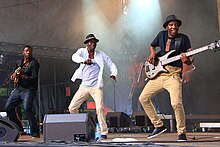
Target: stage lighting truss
[(39, 51)]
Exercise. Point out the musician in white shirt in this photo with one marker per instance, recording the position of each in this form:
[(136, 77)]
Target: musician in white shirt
[(91, 71)]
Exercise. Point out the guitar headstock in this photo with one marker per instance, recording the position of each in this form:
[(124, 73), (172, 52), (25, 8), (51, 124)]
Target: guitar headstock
[(215, 46)]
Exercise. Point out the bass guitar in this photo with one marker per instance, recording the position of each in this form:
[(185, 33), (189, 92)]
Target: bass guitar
[(152, 70)]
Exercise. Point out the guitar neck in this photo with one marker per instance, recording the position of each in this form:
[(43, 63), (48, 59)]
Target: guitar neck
[(190, 53)]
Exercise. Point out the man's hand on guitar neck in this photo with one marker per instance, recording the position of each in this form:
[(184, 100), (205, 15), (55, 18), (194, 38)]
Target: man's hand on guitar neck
[(184, 58), (187, 60)]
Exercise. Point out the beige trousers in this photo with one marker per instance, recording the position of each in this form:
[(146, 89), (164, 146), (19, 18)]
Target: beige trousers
[(97, 94), (173, 84)]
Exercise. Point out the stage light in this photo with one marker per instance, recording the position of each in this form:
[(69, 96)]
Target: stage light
[(143, 3), (144, 17), (2, 59)]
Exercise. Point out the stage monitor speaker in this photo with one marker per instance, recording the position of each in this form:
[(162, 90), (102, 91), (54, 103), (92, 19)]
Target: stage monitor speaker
[(141, 119), (8, 130), (69, 127), (118, 119)]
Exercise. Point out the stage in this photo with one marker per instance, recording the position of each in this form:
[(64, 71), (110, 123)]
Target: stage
[(127, 139)]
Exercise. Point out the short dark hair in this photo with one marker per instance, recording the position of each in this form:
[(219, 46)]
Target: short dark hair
[(27, 46)]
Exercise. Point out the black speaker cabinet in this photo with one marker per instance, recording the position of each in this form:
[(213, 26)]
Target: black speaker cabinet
[(118, 119), (8, 130), (140, 118), (69, 127)]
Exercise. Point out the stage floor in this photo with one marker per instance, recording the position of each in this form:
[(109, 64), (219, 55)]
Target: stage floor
[(128, 139)]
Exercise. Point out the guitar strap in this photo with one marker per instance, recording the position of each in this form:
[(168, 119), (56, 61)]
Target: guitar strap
[(187, 69), (178, 43)]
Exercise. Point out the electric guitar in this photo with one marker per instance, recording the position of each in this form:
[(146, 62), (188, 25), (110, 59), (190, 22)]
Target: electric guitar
[(17, 72), (20, 71), (152, 70)]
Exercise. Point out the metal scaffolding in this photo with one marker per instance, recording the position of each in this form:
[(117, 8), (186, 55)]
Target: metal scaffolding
[(39, 51)]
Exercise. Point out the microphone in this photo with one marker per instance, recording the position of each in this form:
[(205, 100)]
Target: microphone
[(84, 62), (88, 62)]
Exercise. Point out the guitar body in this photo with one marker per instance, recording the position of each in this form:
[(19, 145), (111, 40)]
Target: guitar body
[(17, 72), (152, 70)]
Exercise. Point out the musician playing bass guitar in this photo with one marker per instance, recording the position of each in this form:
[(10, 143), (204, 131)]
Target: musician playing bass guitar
[(171, 80), (25, 80)]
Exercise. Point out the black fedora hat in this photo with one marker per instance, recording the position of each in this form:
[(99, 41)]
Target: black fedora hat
[(171, 18), (90, 37)]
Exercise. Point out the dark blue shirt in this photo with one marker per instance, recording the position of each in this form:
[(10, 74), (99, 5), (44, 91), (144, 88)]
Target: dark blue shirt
[(29, 70), (161, 39)]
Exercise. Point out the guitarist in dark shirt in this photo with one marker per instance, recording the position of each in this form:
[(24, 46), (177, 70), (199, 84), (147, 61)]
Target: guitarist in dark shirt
[(25, 80), (171, 80)]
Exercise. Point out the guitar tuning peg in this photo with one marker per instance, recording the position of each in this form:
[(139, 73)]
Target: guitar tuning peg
[(217, 45), (217, 42)]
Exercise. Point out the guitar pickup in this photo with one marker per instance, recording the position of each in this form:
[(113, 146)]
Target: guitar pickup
[(147, 68)]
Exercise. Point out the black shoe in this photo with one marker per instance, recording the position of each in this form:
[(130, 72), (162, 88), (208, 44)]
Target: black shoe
[(157, 131), (23, 133), (103, 137), (182, 137)]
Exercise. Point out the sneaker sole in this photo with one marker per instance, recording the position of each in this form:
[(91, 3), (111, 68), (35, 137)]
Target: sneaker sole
[(182, 140), (157, 134)]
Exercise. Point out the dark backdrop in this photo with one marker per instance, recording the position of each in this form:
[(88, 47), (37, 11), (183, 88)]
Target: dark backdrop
[(58, 23)]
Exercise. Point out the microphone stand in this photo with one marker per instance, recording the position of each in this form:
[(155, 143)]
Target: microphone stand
[(140, 67), (113, 82)]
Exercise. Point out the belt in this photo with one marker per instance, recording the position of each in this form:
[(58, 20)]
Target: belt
[(172, 70)]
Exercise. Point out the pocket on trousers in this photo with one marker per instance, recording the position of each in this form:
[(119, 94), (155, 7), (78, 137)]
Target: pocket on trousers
[(178, 78)]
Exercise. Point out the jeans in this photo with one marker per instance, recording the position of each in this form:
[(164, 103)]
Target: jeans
[(26, 96)]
